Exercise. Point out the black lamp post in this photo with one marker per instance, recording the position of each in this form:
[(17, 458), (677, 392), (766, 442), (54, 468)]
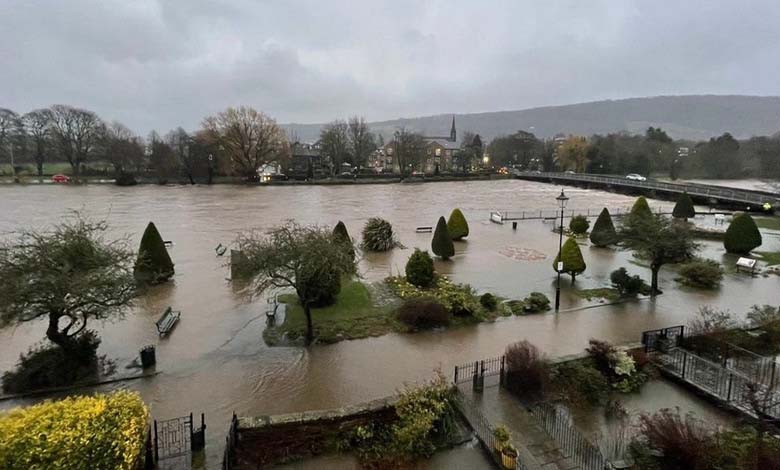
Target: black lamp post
[(562, 200)]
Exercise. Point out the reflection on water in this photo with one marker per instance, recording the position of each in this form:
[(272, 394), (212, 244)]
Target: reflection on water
[(215, 360)]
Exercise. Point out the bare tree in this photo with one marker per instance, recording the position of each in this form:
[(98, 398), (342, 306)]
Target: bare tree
[(409, 148), (124, 149), (182, 145), (248, 137), (361, 141), (334, 140), (77, 133), (36, 125), (10, 131), (161, 157)]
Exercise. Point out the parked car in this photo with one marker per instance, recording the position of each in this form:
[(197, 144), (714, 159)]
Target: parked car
[(60, 179), (635, 177), (569, 172)]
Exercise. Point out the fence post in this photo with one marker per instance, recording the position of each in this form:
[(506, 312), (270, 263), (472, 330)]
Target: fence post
[(685, 361), (475, 378), (772, 378), (456, 375), (728, 393), (479, 383), (156, 443), (501, 372)]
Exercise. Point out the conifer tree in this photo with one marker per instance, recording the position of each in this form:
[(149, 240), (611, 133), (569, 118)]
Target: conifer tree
[(154, 264), (442, 241), (457, 225), (684, 208), (603, 233), (573, 263), (742, 236)]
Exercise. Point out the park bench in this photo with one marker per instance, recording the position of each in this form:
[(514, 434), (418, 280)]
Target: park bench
[(424, 229), (746, 264), (168, 243), (167, 321), (220, 249)]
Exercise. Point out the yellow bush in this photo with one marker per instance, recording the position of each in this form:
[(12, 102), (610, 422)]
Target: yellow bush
[(102, 432)]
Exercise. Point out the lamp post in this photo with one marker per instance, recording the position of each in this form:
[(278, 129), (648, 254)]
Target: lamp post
[(562, 200)]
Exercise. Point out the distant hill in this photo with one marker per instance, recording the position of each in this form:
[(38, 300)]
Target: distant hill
[(695, 117)]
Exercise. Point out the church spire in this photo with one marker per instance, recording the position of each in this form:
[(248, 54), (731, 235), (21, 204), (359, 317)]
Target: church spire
[(453, 133)]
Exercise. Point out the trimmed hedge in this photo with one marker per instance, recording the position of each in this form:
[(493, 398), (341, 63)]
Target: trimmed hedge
[(573, 263), (684, 208), (442, 241), (579, 224), (742, 236), (641, 208), (154, 264), (422, 313), (88, 432), (419, 269), (457, 225), (604, 233)]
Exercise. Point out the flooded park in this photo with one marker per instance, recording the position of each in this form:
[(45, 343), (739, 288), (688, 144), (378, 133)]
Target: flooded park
[(216, 362)]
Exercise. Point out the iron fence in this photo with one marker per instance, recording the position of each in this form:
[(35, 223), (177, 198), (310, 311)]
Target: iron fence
[(229, 456), (557, 423), (481, 427), (674, 335), (484, 368)]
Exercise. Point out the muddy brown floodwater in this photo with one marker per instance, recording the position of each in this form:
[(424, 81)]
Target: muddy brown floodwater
[(215, 360)]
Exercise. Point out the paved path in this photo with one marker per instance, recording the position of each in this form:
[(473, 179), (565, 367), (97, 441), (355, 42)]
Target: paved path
[(537, 449)]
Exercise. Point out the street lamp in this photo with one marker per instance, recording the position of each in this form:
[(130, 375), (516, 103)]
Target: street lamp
[(562, 200)]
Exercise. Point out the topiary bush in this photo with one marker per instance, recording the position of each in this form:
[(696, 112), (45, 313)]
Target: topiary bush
[(378, 235), (419, 269), (742, 236), (536, 302), (603, 233), (51, 366), (422, 313), (341, 236), (579, 225), (701, 273), (684, 208), (84, 432), (154, 264), (442, 241), (457, 225), (641, 209), (628, 285), (488, 301), (573, 263)]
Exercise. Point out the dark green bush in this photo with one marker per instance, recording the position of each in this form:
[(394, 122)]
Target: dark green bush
[(579, 224), (603, 233), (628, 285), (573, 263), (51, 366), (125, 179), (442, 241), (742, 236), (457, 225), (701, 273), (581, 384), (641, 209), (684, 208), (419, 269), (536, 302), (154, 264), (421, 313), (488, 301), (341, 236), (378, 235)]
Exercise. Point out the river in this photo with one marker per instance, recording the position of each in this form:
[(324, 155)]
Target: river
[(215, 360)]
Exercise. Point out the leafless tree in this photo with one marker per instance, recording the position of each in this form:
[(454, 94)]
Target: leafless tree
[(124, 149), (361, 141), (248, 137), (10, 131), (161, 157), (334, 140), (77, 133), (182, 145), (36, 125), (409, 148)]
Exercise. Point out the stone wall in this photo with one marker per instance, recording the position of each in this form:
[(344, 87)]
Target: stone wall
[(265, 440)]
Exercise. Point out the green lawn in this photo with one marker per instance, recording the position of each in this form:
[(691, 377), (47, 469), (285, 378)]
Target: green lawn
[(771, 223), (354, 315), (771, 258)]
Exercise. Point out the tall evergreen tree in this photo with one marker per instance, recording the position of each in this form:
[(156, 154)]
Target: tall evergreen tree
[(603, 232), (684, 208), (341, 236), (154, 264), (641, 208), (442, 241), (457, 225), (742, 236)]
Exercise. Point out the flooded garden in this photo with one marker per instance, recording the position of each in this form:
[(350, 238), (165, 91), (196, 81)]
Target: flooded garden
[(217, 361)]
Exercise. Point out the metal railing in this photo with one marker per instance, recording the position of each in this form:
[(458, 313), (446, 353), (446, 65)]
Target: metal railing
[(483, 368), (558, 424), (674, 334), (735, 195), (481, 427)]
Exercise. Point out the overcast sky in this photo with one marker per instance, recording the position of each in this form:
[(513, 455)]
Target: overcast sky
[(160, 64)]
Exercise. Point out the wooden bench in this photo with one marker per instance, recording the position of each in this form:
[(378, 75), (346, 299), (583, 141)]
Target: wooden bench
[(746, 264), (424, 229), (220, 249), (167, 321)]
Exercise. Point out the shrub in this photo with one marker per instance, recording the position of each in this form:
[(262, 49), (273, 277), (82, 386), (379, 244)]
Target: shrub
[(488, 301), (742, 236), (458, 299), (684, 209), (641, 209), (527, 371), (684, 442), (628, 285), (536, 302), (457, 225), (603, 233), (709, 321), (154, 264), (763, 316), (86, 432), (442, 241), (341, 236), (601, 352), (419, 269), (125, 179), (581, 384), (378, 235), (573, 264), (579, 224), (51, 366), (702, 273), (421, 313)]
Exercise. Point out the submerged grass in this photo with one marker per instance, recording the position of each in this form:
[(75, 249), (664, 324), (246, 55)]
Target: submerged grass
[(606, 293), (771, 258), (770, 223)]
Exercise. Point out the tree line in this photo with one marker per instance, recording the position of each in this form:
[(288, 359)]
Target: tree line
[(653, 152)]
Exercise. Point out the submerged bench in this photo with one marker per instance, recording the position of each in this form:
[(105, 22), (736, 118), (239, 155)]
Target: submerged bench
[(424, 229), (746, 264), (167, 321), (220, 249)]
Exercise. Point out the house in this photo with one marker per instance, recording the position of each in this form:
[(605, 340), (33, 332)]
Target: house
[(307, 162), (439, 152)]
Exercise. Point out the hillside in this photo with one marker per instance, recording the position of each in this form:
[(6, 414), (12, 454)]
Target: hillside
[(694, 117)]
